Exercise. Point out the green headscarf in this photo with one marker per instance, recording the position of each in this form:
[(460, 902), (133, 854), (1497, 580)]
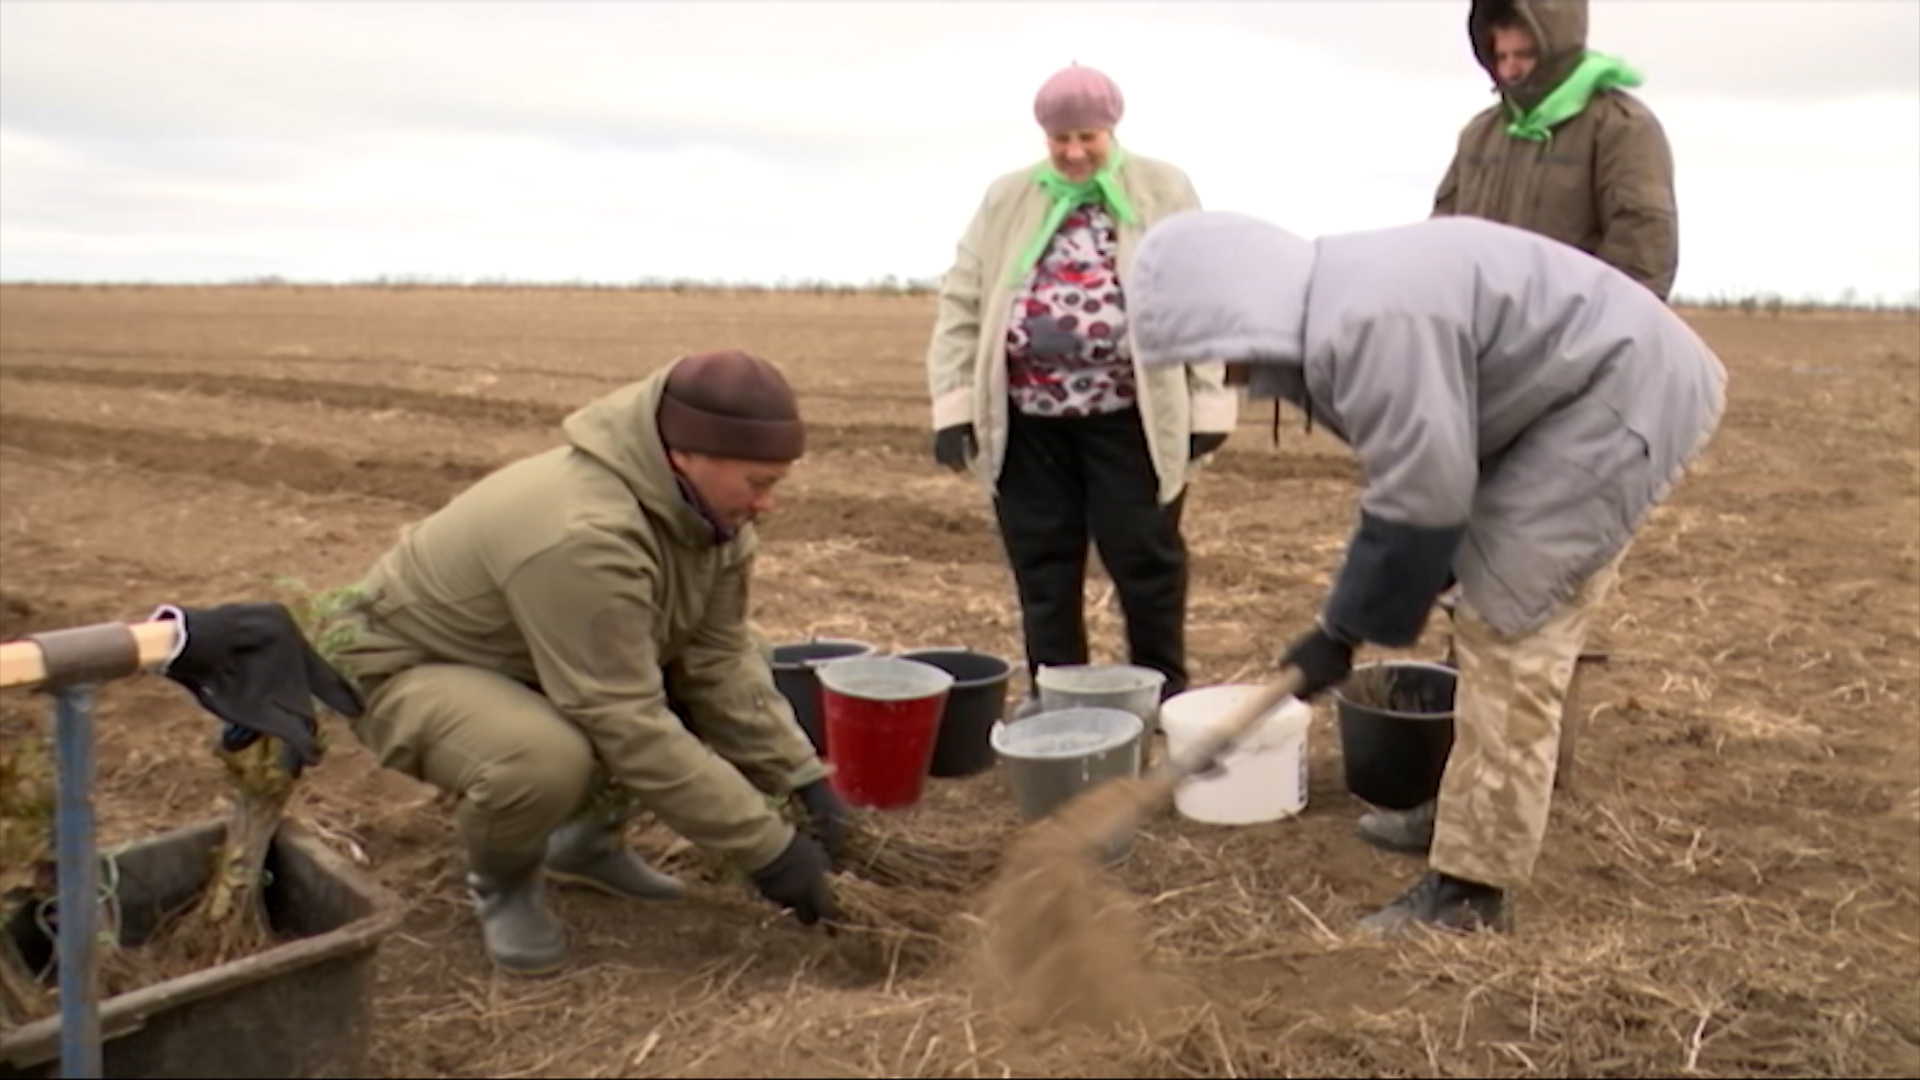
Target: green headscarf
[(1597, 72), (1102, 185)]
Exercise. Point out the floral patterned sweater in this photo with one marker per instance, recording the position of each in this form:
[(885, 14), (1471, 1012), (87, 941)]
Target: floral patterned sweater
[(1067, 353)]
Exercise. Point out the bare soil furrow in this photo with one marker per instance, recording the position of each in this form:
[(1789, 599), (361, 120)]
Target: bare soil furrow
[(1251, 460), (421, 481), (339, 395), (1269, 466), (54, 364), (427, 482), (169, 357), (886, 439)]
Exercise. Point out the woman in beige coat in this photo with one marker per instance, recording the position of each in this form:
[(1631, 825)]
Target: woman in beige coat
[(1035, 390)]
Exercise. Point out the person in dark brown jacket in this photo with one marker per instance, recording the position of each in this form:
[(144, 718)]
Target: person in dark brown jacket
[(1566, 151)]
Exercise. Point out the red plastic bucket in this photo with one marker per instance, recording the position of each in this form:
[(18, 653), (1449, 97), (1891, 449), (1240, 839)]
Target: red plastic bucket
[(882, 717)]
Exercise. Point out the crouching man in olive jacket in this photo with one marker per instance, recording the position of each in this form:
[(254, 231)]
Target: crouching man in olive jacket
[(567, 641)]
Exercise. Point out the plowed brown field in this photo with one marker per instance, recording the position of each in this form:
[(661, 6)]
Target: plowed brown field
[(1731, 888)]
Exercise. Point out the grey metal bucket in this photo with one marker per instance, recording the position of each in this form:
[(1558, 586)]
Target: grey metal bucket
[(1051, 757), (1129, 687), (1110, 686)]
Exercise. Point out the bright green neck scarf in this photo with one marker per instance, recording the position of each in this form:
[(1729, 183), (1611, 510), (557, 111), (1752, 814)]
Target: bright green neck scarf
[(1596, 72), (1102, 186)]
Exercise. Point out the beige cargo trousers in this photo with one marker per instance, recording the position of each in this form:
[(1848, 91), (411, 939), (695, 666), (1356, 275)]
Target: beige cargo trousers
[(1490, 820), (517, 766)]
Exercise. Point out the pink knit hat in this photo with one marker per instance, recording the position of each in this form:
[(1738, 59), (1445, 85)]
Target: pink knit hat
[(1078, 97)]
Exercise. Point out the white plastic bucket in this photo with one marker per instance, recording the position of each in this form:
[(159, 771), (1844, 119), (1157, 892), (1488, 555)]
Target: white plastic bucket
[(1264, 776)]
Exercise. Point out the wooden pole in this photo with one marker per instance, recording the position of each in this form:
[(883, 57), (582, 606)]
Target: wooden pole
[(24, 663)]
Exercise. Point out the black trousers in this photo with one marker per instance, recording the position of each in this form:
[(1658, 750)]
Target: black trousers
[(1066, 482)]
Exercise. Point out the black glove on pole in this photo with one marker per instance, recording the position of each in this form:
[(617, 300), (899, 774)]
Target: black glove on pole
[(250, 665)]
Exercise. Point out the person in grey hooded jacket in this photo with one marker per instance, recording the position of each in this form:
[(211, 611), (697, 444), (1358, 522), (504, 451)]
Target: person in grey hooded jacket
[(1517, 406)]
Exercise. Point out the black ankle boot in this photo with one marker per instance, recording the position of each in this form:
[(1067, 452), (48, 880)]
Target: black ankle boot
[(1443, 902)]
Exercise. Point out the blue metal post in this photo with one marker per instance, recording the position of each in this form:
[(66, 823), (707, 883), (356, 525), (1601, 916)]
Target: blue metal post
[(79, 884)]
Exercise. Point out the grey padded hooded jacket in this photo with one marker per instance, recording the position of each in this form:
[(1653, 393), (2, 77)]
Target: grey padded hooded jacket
[(1517, 405)]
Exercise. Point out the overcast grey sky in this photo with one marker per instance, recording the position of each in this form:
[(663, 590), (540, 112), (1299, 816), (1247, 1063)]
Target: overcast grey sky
[(612, 141)]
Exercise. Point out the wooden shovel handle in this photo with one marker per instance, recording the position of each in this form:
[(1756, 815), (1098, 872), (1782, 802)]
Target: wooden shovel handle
[(87, 653), (1232, 728), (1103, 822)]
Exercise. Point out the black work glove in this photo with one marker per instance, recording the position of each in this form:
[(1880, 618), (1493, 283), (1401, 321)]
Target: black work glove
[(828, 813), (954, 446), (250, 665), (1323, 659), (1202, 443), (797, 880)]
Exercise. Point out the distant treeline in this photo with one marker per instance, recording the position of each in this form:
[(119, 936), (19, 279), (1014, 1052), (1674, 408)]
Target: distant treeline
[(1769, 303)]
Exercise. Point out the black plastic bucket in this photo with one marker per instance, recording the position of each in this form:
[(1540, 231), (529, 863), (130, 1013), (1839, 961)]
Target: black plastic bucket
[(793, 673), (977, 701), (1395, 750)]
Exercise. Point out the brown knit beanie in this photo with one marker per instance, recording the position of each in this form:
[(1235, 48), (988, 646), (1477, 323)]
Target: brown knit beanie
[(729, 404)]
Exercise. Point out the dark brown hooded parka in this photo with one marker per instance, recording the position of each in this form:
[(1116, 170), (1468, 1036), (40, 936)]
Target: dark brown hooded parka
[(1601, 181)]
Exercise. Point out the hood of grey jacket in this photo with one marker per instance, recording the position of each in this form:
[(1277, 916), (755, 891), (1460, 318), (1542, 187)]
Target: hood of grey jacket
[(1487, 378), (1223, 286)]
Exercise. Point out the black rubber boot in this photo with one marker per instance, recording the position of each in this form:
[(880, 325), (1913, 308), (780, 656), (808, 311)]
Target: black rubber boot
[(588, 852), (1442, 902), (522, 935)]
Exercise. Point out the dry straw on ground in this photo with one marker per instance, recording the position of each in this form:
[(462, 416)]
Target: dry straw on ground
[(891, 930), (925, 861), (904, 897)]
